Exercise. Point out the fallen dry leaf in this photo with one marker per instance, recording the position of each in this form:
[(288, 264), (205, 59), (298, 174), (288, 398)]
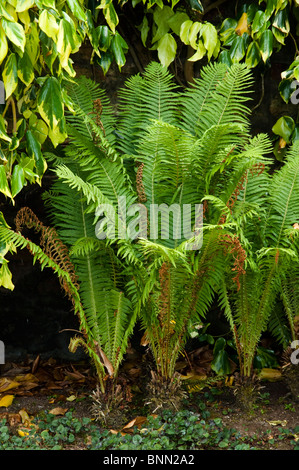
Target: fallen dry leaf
[(278, 422), (26, 378), (6, 400), (25, 417), (11, 418), (138, 421), (7, 384), (269, 374), (58, 411), (71, 398)]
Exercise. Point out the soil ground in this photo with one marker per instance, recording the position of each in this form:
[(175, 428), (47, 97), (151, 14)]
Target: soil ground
[(51, 386)]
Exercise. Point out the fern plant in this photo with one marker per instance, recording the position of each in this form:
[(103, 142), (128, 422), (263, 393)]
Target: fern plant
[(273, 262), (165, 149), (161, 152)]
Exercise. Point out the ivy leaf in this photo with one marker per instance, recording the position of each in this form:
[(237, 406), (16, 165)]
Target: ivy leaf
[(225, 58), (196, 5), (48, 24), (184, 31), (104, 37), (258, 22), (105, 61), (10, 74), (286, 90), (238, 49), (110, 15), (144, 30), (34, 151), (266, 44), (281, 21), (118, 46), (284, 127), (3, 134), (23, 5), (17, 180), (25, 69), (76, 9), (167, 47), (3, 45), (50, 103), (193, 33), (209, 34), (15, 33), (67, 40), (4, 13), (4, 188), (253, 55), (176, 21), (201, 50), (161, 17)]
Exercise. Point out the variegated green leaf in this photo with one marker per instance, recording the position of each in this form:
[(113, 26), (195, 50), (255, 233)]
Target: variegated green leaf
[(10, 74)]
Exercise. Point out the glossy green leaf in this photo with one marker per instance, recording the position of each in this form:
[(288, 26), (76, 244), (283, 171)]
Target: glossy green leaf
[(167, 47), (3, 45), (10, 75), (67, 40), (58, 134), (104, 36), (238, 49), (25, 69), (281, 21), (176, 21), (118, 48), (3, 134), (23, 5), (76, 9), (279, 36), (48, 24), (4, 188), (17, 180), (221, 364), (209, 35), (40, 131), (32, 43), (184, 31), (196, 5), (105, 61), (200, 52), (144, 30), (266, 44), (258, 22), (6, 277), (253, 55), (286, 90), (4, 13), (161, 17), (111, 17), (50, 104), (225, 58), (15, 33), (271, 5), (193, 34), (284, 127), (34, 151), (14, 143)]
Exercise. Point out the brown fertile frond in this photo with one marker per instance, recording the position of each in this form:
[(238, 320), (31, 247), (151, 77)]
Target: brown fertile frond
[(233, 247), (97, 111), (50, 243), (256, 169), (164, 277)]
